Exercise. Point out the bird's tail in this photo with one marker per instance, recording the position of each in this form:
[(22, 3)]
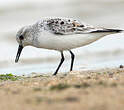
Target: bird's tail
[(122, 31), (104, 31), (115, 30), (108, 30)]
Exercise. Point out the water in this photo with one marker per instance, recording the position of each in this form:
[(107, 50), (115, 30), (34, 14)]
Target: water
[(107, 52)]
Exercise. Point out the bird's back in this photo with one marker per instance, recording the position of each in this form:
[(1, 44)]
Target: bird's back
[(65, 33), (66, 26)]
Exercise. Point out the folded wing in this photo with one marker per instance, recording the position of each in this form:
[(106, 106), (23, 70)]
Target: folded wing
[(65, 26)]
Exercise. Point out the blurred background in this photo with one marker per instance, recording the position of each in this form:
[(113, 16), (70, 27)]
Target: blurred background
[(105, 53)]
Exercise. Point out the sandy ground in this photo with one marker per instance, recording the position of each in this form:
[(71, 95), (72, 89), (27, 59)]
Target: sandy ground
[(87, 90)]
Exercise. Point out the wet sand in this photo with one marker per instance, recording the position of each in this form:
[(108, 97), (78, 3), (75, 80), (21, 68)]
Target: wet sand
[(88, 90)]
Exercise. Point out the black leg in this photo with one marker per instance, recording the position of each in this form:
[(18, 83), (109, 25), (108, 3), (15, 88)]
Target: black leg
[(62, 60), (72, 60)]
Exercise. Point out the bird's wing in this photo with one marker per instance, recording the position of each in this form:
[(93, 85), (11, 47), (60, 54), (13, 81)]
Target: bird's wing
[(65, 26)]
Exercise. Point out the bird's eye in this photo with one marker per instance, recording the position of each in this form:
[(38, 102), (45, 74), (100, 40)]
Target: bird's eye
[(21, 37)]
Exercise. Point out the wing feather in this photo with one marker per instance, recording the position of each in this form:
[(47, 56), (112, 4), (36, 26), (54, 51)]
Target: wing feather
[(65, 26)]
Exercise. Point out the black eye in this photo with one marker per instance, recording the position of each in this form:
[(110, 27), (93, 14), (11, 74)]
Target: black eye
[(21, 37)]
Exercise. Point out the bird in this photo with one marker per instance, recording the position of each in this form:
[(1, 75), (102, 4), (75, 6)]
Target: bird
[(60, 34)]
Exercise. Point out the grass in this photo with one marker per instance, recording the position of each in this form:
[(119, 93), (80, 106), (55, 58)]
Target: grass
[(83, 85), (59, 87), (5, 77), (63, 86), (36, 89)]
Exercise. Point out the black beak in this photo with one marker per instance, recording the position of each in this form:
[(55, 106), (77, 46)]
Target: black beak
[(18, 53)]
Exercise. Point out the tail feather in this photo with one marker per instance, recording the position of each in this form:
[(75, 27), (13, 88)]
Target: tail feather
[(108, 30)]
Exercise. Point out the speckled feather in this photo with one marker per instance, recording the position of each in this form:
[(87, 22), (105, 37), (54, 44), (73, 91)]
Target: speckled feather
[(65, 26)]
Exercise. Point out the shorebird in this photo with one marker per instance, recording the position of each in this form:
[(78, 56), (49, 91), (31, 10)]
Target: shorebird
[(60, 34)]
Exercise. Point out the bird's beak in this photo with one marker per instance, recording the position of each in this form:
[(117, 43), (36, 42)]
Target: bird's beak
[(18, 53)]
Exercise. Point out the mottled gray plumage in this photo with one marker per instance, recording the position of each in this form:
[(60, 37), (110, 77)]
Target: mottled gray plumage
[(67, 26)]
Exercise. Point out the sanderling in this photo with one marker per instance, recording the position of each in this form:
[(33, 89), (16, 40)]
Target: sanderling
[(61, 34)]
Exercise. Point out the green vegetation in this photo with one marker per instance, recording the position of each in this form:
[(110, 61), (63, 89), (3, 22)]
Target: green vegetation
[(83, 85), (4, 77), (37, 89), (59, 87), (62, 86)]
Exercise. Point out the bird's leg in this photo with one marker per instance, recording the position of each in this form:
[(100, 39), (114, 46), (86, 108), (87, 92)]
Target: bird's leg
[(72, 60), (62, 60)]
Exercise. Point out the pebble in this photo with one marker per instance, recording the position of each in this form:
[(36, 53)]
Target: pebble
[(121, 66)]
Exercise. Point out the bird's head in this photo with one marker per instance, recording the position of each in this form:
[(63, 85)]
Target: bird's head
[(23, 38)]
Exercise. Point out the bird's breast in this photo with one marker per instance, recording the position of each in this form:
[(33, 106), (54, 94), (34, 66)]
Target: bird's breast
[(52, 41)]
